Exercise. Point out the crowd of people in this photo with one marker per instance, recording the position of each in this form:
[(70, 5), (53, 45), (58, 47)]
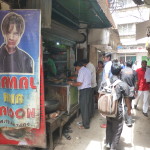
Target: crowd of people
[(133, 85)]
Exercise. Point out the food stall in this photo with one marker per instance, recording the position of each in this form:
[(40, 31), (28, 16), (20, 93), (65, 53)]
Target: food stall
[(56, 77), (61, 99)]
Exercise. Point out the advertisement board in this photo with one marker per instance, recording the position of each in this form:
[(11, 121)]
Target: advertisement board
[(22, 115)]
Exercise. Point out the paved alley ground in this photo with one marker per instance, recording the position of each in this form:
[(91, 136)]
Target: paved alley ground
[(133, 138)]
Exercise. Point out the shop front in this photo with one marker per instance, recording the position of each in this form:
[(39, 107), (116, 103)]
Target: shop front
[(58, 60), (60, 36)]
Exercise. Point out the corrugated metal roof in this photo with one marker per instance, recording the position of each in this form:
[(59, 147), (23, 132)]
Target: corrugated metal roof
[(105, 8), (89, 12), (94, 13)]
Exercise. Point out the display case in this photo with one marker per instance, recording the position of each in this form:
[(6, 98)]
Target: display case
[(60, 58), (67, 95)]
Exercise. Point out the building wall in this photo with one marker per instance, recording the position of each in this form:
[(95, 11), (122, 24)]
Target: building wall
[(93, 55), (126, 16), (4, 6), (131, 15), (138, 56)]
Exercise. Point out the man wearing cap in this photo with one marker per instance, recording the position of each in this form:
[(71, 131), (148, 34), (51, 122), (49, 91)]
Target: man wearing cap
[(107, 68), (106, 74)]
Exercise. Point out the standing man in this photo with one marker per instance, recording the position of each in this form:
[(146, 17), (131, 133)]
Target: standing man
[(107, 68), (135, 67), (84, 86), (51, 67), (106, 74), (143, 88), (128, 75), (115, 125), (91, 67)]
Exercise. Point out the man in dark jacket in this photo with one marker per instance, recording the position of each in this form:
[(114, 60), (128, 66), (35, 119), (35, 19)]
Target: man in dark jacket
[(129, 76), (13, 59), (115, 125)]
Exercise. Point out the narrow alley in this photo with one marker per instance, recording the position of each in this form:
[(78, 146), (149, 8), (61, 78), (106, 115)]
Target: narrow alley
[(135, 138), (57, 57)]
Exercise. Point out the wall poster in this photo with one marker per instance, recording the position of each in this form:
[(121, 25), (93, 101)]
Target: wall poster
[(22, 115)]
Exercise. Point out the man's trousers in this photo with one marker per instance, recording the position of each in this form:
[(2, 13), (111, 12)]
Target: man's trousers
[(84, 103), (114, 130), (92, 102), (145, 95)]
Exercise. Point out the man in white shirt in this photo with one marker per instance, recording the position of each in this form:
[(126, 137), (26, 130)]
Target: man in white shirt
[(107, 68), (134, 66), (92, 69), (84, 86), (106, 74)]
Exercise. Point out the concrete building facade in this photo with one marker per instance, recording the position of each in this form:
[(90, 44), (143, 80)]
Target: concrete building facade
[(126, 15)]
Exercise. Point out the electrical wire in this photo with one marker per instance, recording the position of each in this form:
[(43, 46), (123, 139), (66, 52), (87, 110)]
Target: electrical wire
[(140, 13), (115, 5), (19, 3)]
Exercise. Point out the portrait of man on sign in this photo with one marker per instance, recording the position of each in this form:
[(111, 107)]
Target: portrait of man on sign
[(12, 58)]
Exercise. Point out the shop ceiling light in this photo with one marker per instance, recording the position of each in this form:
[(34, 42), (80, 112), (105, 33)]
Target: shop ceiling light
[(57, 43)]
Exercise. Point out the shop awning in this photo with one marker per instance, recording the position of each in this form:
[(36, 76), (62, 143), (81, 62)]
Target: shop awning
[(74, 12), (62, 34), (94, 13)]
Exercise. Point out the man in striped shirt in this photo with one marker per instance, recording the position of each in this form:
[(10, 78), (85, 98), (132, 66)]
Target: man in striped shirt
[(84, 86)]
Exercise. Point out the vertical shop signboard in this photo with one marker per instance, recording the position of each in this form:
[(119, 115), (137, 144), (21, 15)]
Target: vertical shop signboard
[(22, 105)]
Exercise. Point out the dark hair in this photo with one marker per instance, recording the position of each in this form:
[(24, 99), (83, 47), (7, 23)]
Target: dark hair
[(103, 54), (115, 60), (129, 63), (13, 18), (107, 54), (85, 61), (78, 63), (115, 68), (101, 62), (144, 61)]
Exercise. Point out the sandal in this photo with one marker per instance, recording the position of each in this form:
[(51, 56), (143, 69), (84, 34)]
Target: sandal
[(68, 131), (81, 127), (68, 127), (67, 136), (79, 123)]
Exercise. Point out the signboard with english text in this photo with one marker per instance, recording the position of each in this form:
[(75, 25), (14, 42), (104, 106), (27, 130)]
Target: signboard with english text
[(21, 102)]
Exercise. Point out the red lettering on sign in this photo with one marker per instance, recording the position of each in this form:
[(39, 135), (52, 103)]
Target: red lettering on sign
[(31, 113), (14, 83), (9, 83), (10, 113), (20, 113), (3, 111), (23, 83), (32, 83)]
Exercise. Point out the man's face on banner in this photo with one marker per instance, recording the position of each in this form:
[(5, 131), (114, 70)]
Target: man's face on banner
[(12, 38)]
